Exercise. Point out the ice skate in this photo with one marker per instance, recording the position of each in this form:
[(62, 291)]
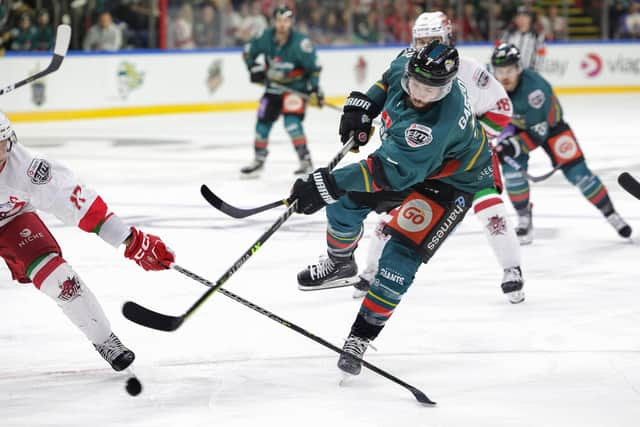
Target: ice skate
[(524, 229), (616, 221), (305, 168), (253, 169), (327, 273), (512, 283), (361, 287), (115, 353), (356, 346)]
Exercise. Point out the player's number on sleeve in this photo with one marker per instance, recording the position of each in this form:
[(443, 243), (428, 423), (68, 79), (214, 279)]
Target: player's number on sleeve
[(504, 104)]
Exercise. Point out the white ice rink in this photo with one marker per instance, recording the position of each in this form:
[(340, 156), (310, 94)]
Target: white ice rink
[(568, 356)]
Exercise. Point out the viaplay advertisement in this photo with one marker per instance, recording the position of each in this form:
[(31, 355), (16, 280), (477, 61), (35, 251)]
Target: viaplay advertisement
[(120, 83)]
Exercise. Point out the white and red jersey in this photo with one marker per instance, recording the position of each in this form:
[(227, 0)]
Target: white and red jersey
[(30, 182), (489, 100)]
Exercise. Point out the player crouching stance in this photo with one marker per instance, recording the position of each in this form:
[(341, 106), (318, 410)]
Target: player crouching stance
[(493, 110), (29, 182), (538, 122), (432, 157)]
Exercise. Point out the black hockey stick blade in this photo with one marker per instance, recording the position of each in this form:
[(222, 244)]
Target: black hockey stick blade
[(542, 177), (630, 184), (63, 37), (151, 319), (233, 211)]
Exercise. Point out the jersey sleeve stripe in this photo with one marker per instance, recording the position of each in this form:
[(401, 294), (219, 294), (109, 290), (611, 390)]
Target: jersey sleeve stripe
[(95, 216), (475, 156)]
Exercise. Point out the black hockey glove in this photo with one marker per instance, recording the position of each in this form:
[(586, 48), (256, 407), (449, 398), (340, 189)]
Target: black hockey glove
[(258, 73), (509, 147), (358, 112), (315, 191), (316, 97)]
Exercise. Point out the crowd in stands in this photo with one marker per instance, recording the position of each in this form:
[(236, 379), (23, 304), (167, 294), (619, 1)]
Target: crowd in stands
[(126, 24)]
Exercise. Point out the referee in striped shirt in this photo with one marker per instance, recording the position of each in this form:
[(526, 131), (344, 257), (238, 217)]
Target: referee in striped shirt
[(522, 34)]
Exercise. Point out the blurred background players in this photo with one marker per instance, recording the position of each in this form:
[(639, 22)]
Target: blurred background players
[(538, 122), (289, 60)]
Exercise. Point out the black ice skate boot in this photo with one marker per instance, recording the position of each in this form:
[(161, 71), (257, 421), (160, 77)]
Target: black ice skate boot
[(616, 221), (327, 273), (253, 169), (306, 167), (512, 283), (524, 229), (356, 346), (114, 352)]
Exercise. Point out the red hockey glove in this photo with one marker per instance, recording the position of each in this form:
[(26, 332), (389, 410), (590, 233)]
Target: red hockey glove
[(148, 251)]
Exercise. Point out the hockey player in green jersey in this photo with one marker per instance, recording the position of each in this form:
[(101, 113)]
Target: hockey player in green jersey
[(538, 122), (289, 60), (433, 157)]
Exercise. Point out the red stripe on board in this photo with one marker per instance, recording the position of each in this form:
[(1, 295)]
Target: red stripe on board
[(47, 270)]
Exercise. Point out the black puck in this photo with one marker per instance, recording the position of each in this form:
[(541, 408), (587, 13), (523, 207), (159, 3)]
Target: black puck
[(133, 386)]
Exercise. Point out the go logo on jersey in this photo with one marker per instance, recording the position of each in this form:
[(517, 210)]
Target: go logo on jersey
[(565, 147), (415, 216)]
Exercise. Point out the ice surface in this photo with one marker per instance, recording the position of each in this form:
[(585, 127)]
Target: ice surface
[(568, 356)]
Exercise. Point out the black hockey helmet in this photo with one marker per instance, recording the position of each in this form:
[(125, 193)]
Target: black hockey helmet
[(436, 64), (284, 11), (505, 54)]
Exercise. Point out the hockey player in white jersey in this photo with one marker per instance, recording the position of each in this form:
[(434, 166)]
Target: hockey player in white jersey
[(30, 182), (493, 109)]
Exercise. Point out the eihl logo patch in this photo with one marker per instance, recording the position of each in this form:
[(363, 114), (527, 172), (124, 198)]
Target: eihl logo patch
[(418, 135), (39, 171)]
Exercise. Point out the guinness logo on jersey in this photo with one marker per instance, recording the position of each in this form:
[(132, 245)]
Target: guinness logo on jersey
[(536, 99), (39, 171), (418, 135)]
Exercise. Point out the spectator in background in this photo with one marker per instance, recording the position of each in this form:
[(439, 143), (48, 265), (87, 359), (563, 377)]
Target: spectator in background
[(182, 31), (554, 25), (137, 16), (206, 31), (43, 39), (470, 28), (252, 22), (104, 35), (229, 21), (23, 35), (632, 21), (522, 35)]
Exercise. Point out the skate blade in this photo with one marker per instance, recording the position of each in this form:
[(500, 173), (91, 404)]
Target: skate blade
[(526, 240), (250, 175), (515, 297), (340, 283), (346, 379)]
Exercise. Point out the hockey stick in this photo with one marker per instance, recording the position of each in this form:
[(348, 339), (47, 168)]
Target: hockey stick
[(233, 211), (302, 95), (532, 178), (630, 184), (63, 36), (133, 311), (154, 320)]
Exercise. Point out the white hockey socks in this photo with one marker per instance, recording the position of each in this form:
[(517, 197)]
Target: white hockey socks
[(491, 213), (376, 246), (56, 278)]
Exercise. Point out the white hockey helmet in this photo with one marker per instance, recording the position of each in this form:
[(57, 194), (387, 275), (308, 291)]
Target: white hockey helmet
[(6, 131), (432, 25)]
